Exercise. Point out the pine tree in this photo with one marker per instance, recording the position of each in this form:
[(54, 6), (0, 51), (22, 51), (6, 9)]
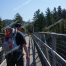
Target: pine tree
[(1, 24), (55, 15), (18, 19), (64, 13), (39, 20), (59, 12), (48, 17)]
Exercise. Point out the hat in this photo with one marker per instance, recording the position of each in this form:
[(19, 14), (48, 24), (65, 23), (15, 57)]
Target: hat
[(8, 28)]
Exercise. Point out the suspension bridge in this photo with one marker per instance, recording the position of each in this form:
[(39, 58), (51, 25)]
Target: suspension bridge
[(45, 49)]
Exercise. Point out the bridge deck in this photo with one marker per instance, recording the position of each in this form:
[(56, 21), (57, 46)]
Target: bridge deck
[(32, 58)]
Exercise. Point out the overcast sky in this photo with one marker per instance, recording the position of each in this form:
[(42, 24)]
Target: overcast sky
[(26, 8)]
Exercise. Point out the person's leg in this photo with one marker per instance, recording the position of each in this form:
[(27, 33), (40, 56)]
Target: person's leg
[(20, 62), (9, 60), (9, 63)]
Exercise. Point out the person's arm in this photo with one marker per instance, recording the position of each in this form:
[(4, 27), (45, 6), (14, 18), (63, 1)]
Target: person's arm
[(23, 42), (27, 53)]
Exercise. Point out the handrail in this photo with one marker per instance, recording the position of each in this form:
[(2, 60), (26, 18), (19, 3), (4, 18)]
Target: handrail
[(48, 63), (54, 52), (53, 33), (1, 54)]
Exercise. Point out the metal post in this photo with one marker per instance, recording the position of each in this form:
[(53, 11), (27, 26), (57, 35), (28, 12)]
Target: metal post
[(33, 49), (46, 50), (54, 48)]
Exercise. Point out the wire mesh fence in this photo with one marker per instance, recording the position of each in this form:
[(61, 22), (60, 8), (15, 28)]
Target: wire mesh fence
[(53, 46)]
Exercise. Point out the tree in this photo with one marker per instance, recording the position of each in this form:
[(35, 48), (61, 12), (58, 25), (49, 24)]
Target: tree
[(39, 21), (48, 17), (55, 15), (59, 12), (29, 28), (1, 24), (18, 19), (64, 13), (36, 15)]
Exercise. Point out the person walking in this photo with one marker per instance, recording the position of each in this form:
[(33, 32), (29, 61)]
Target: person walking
[(20, 32), (13, 46)]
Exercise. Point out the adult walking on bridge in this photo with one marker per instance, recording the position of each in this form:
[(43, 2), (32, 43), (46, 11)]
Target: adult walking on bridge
[(20, 38), (14, 50)]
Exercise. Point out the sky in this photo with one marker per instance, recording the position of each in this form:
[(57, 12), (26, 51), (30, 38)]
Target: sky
[(27, 8)]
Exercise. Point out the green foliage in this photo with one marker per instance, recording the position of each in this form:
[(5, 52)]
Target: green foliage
[(36, 15), (1, 24), (59, 12), (55, 15), (29, 27), (64, 13), (18, 18), (51, 17), (48, 17), (65, 26), (39, 21)]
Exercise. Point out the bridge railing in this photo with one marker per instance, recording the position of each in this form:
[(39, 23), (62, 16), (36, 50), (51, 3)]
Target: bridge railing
[(1, 52), (48, 45)]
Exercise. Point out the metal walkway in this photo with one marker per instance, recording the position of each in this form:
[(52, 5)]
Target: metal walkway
[(45, 49)]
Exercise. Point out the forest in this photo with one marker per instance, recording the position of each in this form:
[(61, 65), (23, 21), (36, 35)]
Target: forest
[(41, 21)]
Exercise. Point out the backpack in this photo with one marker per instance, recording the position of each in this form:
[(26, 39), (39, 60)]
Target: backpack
[(9, 45)]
